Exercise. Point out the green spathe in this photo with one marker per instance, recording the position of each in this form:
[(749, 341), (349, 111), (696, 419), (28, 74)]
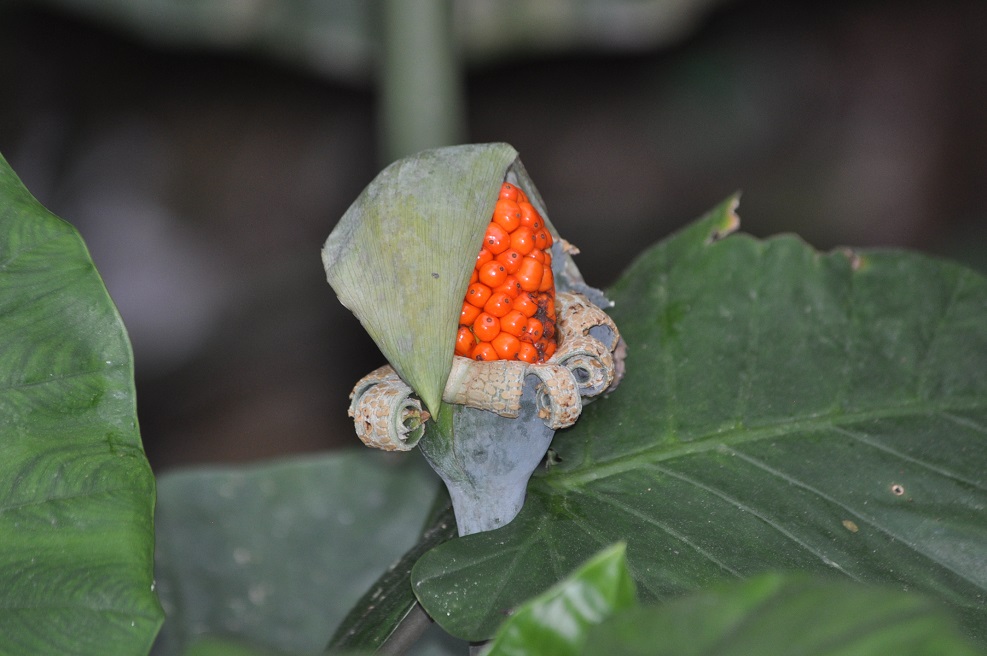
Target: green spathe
[(400, 258)]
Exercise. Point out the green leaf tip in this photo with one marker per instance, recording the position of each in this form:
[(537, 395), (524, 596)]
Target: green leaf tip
[(401, 256), (558, 620)]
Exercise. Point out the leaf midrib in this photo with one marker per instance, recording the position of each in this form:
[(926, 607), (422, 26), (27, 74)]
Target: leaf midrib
[(575, 479)]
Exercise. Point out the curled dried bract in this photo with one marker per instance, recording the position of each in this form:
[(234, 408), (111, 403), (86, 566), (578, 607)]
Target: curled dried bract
[(590, 363), (385, 413), (388, 415), (494, 386)]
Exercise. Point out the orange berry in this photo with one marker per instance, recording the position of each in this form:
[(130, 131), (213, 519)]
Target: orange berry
[(523, 240), (478, 294), (532, 331), (509, 309), (513, 323), (547, 280), (537, 254), (511, 287), (468, 314), (484, 351), (498, 305), (486, 327), (465, 341), (530, 217), (496, 240), (529, 275), (493, 274), (525, 305), (483, 257), (507, 215), (511, 259), (509, 191), (507, 346), (527, 352)]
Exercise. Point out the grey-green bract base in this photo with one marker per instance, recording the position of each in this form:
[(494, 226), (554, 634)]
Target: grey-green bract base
[(486, 460)]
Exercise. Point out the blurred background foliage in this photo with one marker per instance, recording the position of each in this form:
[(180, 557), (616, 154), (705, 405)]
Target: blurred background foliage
[(206, 149)]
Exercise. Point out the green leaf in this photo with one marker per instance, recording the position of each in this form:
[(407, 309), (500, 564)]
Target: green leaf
[(76, 492), (390, 601), (780, 615), (275, 554), (782, 409), (556, 622)]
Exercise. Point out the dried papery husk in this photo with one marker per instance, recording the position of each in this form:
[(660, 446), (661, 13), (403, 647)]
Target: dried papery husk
[(497, 387), (590, 362), (492, 386), (580, 317), (385, 413), (556, 396)]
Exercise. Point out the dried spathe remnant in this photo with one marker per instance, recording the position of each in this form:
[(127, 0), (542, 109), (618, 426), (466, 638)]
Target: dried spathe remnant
[(585, 366), (385, 412)]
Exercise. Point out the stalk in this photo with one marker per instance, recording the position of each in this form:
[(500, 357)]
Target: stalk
[(420, 81)]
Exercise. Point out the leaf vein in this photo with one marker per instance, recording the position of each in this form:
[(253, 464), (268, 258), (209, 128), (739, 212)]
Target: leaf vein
[(667, 529), (860, 437), (740, 505), (864, 518), (658, 452)]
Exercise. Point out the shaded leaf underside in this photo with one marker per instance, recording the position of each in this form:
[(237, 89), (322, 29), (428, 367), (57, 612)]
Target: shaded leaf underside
[(783, 409)]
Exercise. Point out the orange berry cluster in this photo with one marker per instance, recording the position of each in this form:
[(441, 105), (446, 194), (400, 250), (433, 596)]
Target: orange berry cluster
[(509, 310)]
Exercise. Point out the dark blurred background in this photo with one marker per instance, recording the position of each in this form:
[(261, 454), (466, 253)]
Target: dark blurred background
[(205, 151)]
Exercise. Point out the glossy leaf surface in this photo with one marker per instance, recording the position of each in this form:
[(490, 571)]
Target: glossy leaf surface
[(778, 615), (275, 554), (782, 409), (76, 492), (557, 621)]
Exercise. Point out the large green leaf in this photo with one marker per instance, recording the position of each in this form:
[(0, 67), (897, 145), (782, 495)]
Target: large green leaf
[(782, 408), (76, 492), (275, 554), (778, 615)]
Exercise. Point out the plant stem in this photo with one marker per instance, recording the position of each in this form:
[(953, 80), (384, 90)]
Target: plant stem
[(407, 633), (419, 78)]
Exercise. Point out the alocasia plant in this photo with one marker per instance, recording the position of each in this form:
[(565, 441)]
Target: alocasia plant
[(413, 258)]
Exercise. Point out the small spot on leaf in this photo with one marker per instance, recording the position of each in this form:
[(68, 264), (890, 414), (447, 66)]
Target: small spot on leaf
[(897, 489), (850, 526)]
